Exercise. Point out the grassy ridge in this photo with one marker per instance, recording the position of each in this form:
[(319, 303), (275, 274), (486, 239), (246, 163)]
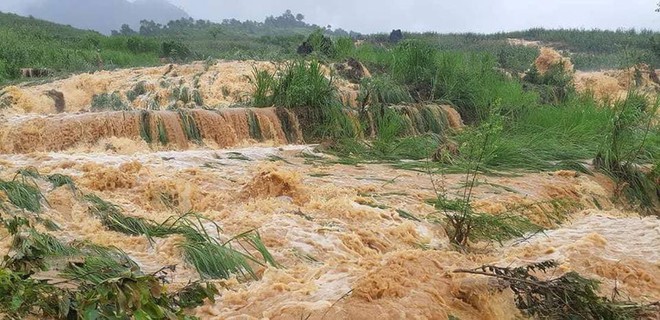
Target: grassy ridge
[(589, 49), (33, 43)]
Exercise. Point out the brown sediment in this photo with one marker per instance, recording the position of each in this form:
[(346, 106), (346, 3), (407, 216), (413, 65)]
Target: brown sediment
[(65, 131), (420, 284), (454, 118)]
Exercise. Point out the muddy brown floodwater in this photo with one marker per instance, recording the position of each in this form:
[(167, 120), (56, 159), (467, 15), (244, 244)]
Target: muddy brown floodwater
[(345, 251), (336, 230)]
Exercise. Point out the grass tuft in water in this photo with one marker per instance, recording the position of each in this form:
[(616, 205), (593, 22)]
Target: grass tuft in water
[(145, 126), (59, 180), (162, 133), (190, 126), (22, 195)]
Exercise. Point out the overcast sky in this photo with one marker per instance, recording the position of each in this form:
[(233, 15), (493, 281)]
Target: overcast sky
[(487, 16), (442, 15)]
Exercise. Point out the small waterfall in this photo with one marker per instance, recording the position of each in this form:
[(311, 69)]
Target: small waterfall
[(419, 119), (179, 129), (171, 129), (290, 125)]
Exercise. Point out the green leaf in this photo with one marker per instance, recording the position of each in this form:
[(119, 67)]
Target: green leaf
[(141, 315), (16, 302)]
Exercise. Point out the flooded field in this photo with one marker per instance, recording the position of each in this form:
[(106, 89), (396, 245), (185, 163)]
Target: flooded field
[(344, 248), (350, 241)]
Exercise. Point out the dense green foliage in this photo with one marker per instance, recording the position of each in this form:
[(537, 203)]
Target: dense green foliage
[(588, 49), (297, 85), (32, 43)]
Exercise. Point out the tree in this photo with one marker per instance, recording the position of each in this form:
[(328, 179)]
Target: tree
[(149, 27), (215, 32), (300, 17), (126, 30)]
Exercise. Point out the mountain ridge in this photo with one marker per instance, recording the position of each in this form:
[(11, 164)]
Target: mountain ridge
[(104, 15)]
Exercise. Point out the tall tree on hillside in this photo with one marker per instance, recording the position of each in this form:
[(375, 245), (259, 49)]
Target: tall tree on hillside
[(149, 27), (126, 30)]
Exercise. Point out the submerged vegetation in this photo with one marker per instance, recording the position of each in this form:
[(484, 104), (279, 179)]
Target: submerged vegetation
[(569, 296), (104, 282)]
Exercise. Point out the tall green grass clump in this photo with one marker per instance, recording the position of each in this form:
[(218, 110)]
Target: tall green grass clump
[(212, 258), (262, 82), (413, 63), (22, 195), (554, 86), (383, 90), (631, 141), (303, 87), (471, 83), (298, 84), (100, 282), (468, 81), (541, 136)]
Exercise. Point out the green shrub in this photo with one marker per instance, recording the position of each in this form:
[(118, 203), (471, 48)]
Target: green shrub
[(344, 48), (322, 43), (298, 85), (138, 90), (138, 45), (262, 82), (625, 147), (383, 90), (554, 86), (175, 50)]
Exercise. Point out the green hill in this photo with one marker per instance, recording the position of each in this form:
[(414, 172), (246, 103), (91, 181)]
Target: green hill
[(104, 15), (34, 43)]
